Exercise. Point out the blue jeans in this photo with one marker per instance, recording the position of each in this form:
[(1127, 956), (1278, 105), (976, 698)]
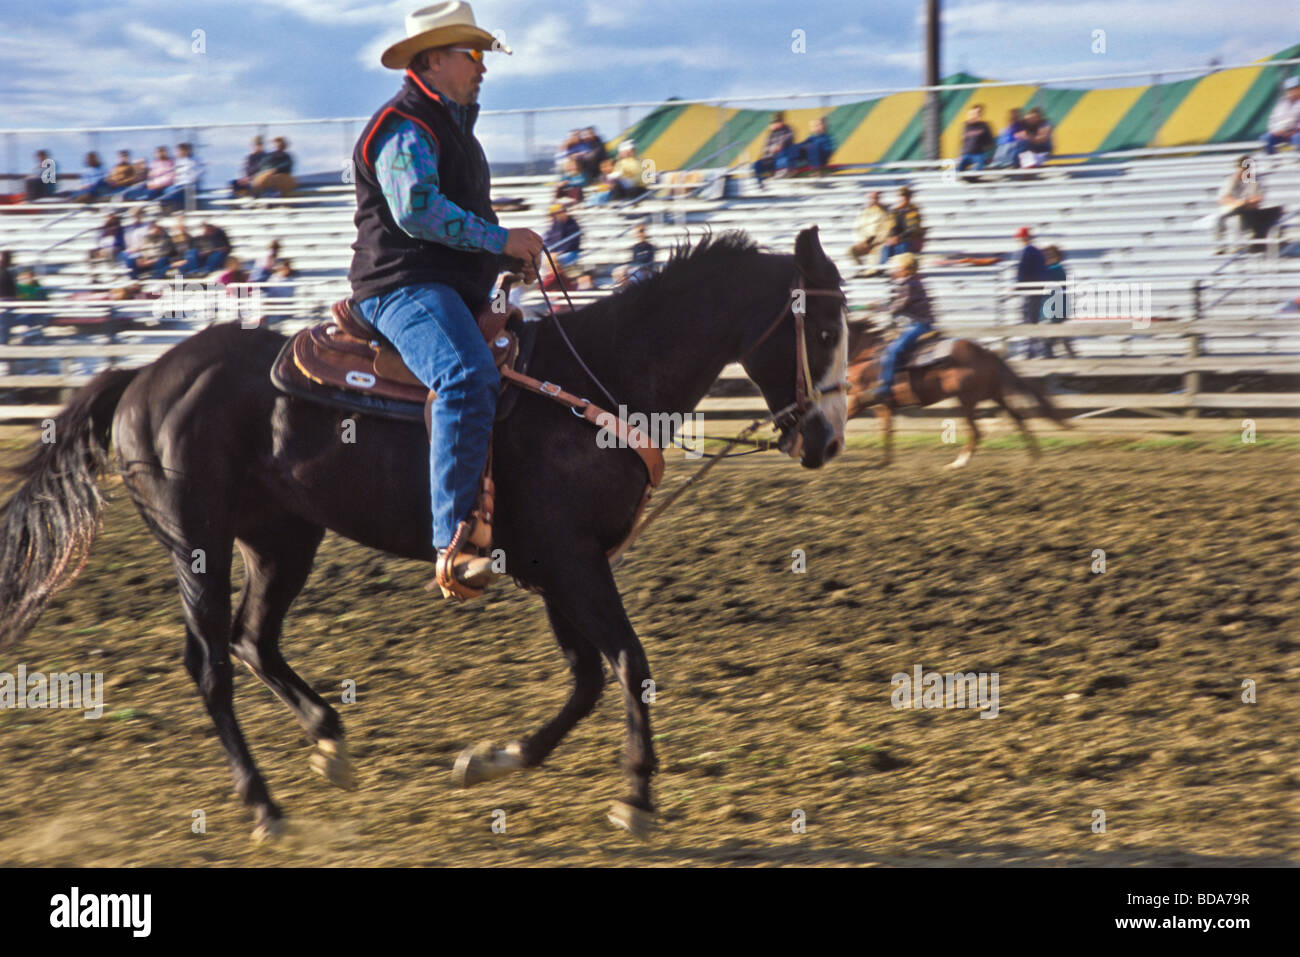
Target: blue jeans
[(141, 191), (132, 262), (890, 250), (975, 161), (896, 349), (210, 262), (1008, 154), (1272, 141), (432, 328)]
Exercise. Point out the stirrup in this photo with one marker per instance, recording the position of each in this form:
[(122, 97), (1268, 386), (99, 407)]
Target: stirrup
[(461, 571)]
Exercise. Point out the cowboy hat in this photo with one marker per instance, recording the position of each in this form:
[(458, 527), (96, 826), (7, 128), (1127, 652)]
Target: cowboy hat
[(441, 25)]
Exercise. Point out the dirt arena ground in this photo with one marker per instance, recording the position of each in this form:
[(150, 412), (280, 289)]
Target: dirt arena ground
[(1120, 692)]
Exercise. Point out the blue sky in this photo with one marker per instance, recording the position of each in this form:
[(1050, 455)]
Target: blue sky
[(76, 64)]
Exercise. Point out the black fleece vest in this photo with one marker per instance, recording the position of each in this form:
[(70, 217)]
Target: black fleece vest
[(384, 257)]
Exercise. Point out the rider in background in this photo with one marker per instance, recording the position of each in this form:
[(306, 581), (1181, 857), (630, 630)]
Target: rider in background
[(909, 301)]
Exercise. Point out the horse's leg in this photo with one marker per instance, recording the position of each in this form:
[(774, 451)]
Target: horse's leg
[(1019, 419), (278, 560), (205, 593), (968, 410), (586, 596), (885, 421), (485, 761)]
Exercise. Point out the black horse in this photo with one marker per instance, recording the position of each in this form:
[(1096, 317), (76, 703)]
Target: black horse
[(215, 457)]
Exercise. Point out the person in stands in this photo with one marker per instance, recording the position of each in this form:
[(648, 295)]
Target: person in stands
[(873, 228), (779, 151), (976, 140), (1241, 197), (1037, 141), (1010, 142), (1284, 119), (252, 166), (815, 152)]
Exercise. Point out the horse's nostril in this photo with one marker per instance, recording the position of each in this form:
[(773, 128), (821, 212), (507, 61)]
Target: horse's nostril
[(833, 449)]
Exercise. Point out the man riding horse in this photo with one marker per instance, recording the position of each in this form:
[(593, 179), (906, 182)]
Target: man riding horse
[(910, 301), (428, 252)]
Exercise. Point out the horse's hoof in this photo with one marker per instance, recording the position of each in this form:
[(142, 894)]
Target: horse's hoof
[(960, 461), (331, 761), (485, 761), (268, 830), (637, 822)]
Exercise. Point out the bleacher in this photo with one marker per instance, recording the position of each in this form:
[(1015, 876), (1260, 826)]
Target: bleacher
[(1133, 219)]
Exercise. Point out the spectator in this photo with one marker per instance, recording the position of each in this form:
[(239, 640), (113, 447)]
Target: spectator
[(1010, 142), (210, 251), (135, 233), (1031, 271), (109, 245), (976, 140), (135, 236), (1240, 196), (8, 291), (815, 152), (186, 175), (155, 255), (872, 228), (590, 155), (28, 287), (140, 171), (266, 265), (233, 273), (122, 174), (627, 183), (569, 147), (276, 174), (162, 172), (1284, 120), (906, 234), (184, 241), (564, 236), (643, 255), (41, 184), (252, 166), (281, 287), (1038, 140), (93, 182), (779, 152), (1056, 306), (570, 185)]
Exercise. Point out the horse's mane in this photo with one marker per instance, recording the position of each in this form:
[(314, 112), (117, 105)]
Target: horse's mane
[(684, 263)]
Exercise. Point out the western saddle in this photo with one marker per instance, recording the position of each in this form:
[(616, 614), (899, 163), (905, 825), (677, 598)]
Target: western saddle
[(347, 364)]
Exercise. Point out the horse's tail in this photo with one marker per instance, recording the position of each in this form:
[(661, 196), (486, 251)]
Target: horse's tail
[(1045, 405), (47, 526)]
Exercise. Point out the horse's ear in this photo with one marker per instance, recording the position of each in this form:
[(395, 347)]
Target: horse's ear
[(811, 260)]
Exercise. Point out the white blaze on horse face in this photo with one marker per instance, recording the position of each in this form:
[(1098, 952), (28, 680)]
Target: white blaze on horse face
[(834, 404)]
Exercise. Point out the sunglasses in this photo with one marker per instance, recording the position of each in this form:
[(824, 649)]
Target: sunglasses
[(475, 55)]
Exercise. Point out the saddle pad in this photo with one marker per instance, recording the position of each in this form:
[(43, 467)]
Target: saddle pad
[(931, 353)]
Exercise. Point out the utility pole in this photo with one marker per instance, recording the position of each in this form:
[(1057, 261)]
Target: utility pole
[(931, 79)]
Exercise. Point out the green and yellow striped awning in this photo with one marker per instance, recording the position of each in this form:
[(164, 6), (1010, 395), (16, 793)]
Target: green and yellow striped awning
[(1223, 107)]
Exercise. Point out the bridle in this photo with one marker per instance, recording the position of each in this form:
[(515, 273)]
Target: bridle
[(804, 385)]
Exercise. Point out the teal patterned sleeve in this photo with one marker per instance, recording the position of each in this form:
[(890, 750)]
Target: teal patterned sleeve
[(406, 164)]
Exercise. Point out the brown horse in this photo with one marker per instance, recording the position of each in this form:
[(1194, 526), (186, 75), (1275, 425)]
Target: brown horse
[(971, 374)]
